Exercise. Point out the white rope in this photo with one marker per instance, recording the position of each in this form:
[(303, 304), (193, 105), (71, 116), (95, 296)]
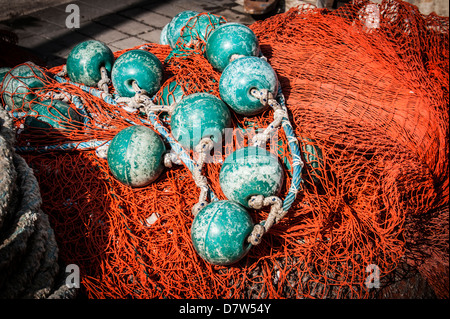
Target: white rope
[(104, 81), (61, 96), (202, 150), (102, 151), (275, 215), (63, 71), (266, 98), (142, 100), (171, 158)]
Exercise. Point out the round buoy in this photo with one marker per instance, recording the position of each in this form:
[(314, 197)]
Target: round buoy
[(176, 24), (53, 114), (135, 156), (201, 27), (85, 61), (18, 85), (163, 36), (219, 232), (250, 171), (240, 77), (3, 71), (171, 93), (197, 116), (230, 39), (140, 66)]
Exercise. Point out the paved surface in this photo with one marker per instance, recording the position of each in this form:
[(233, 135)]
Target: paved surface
[(120, 24)]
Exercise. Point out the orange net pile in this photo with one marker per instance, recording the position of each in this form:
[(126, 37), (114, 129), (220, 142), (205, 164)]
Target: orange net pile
[(372, 96)]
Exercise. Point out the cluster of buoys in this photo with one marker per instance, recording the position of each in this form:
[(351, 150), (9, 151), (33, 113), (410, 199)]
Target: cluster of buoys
[(136, 154)]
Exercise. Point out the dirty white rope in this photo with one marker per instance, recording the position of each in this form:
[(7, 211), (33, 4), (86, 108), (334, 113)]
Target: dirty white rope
[(266, 97), (104, 81), (202, 150), (142, 100), (275, 215)]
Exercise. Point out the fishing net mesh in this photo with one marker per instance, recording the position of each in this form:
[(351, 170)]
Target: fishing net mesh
[(366, 84)]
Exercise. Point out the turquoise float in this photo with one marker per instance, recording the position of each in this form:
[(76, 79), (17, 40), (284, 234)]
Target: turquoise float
[(201, 26), (240, 77), (53, 114), (135, 156), (250, 171), (163, 36), (227, 40), (171, 93), (176, 24), (18, 84), (140, 66), (197, 116), (85, 60), (3, 71), (219, 232)]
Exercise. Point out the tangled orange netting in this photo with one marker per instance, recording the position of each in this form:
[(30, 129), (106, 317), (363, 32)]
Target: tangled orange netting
[(372, 96)]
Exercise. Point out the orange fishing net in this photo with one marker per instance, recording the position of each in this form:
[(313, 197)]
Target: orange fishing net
[(366, 84)]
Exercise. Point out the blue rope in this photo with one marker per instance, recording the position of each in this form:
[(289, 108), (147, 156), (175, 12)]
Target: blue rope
[(297, 163)]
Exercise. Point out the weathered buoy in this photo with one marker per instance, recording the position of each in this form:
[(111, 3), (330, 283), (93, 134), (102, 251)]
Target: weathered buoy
[(18, 85), (85, 60), (3, 71), (240, 77), (230, 39), (201, 26), (135, 156), (163, 36), (52, 114), (140, 66), (219, 232), (250, 171), (176, 24), (171, 93), (197, 116)]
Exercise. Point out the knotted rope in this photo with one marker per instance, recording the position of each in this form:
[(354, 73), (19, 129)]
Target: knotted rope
[(275, 215), (202, 150)]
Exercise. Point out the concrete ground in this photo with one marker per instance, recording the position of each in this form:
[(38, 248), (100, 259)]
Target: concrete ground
[(120, 24), (123, 24)]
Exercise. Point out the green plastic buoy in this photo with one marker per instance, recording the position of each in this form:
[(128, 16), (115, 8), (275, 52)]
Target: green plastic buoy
[(163, 36), (140, 66), (53, 114), (176, 24), (201, 27), (18, 85), (219, 232), (240, 77), (135, 156), (250, 171), (171, 93), (229, 39), (85, 60), (198, 116), (3, 71)]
